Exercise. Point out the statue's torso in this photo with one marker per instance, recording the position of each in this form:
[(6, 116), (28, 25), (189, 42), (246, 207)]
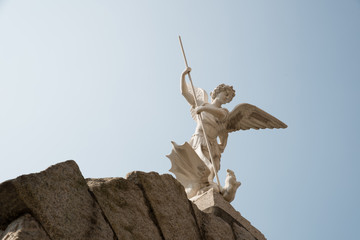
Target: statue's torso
[(212, 125)]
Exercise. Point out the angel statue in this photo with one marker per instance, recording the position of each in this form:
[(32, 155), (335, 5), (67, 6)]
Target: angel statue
[(194, 163)]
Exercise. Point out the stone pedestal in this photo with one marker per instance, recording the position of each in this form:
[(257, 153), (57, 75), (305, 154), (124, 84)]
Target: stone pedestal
[(213, 202)]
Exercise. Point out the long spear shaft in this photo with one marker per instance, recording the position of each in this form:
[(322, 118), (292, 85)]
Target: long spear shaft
[(200, 117)]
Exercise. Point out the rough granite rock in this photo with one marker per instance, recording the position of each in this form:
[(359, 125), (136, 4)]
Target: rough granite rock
[(212, 227), (58, 204), (124, 205), (168, 201), (59, 200), (241, 233), (11, 206), (213, 202), (24, 228)]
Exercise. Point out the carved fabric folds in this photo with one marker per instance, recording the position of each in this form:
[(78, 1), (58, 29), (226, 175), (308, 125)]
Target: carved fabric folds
[(198, 143)]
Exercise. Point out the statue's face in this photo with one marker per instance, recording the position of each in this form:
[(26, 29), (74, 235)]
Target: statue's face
[(223, 97)]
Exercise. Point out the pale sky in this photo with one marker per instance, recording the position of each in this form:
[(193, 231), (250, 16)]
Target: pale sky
[(98, 82)]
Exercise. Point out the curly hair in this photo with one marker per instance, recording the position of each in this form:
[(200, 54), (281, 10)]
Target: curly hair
[(222, 88)]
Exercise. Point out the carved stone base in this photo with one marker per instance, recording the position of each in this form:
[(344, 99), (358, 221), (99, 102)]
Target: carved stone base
[(213, 202)]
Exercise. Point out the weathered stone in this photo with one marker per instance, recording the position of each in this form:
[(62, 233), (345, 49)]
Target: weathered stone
[(213, 202), (24, 228), (168, 201), (124, 205), (212, 227), (143, 206), (241, 233), (11, 206), (59, 199)]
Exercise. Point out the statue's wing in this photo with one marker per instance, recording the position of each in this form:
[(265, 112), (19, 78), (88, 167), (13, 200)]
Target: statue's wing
[(187, 166), (201, 96), (246, 116)]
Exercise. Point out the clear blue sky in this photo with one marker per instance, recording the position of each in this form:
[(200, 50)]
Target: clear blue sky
[(98, 82)]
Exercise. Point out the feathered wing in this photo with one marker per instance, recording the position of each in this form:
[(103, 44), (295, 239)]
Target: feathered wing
[(246, 116), (201, 96)]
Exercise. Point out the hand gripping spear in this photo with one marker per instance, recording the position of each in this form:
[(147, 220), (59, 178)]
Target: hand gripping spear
[(200, 117)]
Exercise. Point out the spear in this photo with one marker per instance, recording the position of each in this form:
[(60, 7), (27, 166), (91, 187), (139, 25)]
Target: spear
[(200, 116)]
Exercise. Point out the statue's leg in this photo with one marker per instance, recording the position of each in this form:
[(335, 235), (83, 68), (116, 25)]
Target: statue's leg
[(215, 156), (206, 158)]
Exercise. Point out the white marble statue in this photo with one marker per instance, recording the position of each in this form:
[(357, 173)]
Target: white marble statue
[(191, 162)]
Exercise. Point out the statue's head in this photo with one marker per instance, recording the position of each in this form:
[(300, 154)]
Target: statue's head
[(230, 92)]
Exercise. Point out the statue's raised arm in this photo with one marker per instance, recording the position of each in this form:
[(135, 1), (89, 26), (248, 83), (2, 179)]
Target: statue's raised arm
[(184, 88)]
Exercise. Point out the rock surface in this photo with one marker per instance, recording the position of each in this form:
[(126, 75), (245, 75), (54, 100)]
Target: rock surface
[(241, 233), (212, 227), (213, 202), (24, 228), (169, 204), (59, 199), (124, 205), (11, 206), (59, 203)]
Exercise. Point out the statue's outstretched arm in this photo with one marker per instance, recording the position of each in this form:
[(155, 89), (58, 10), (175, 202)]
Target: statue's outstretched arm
[(184, 89)]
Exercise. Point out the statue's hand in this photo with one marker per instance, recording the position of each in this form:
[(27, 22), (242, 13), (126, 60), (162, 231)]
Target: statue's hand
[(198, 110), (187, 70)]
